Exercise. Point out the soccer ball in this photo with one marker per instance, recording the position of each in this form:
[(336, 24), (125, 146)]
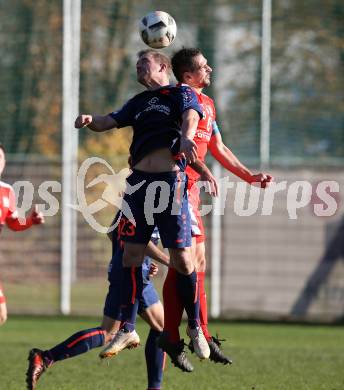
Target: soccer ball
[(158, 29)]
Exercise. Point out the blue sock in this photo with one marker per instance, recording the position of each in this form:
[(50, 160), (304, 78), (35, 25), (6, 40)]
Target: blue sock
[(188, 290), (154, 360), (77, 344), (131, 288)]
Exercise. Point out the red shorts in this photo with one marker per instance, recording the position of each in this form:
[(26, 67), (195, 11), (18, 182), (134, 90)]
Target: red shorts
[(194, 202), (2, 295)]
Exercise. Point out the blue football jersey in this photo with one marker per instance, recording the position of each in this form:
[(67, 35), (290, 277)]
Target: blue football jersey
[(156, 118)]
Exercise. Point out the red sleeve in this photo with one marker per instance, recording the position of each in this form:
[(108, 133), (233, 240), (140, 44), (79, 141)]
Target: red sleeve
[(14, 224), (12, 201), (12, 220)]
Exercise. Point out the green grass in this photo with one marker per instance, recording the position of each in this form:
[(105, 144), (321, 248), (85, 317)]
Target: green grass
[(266, 356)]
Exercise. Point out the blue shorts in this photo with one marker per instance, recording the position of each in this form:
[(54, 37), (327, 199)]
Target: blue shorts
[(160, 199), (112, 302)]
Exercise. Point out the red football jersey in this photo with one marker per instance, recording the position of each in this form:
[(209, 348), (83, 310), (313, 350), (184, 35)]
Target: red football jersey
[(7, 202), (204, 131)]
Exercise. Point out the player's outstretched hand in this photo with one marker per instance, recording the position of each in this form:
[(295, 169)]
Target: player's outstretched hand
[(189, 148), (262, 180), (153, 270), (36, 216), (83, 120)]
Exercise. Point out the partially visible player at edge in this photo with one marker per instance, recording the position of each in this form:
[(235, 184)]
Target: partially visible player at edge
[(190, 67), (164, 120), (9, 217), (149, 308)]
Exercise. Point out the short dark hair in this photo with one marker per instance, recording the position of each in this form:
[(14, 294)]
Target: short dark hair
[(157, 56), (183, 61), (2, 147)]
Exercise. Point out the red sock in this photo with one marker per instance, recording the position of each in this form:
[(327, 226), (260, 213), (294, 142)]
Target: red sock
[(173, 308), (203, 311)]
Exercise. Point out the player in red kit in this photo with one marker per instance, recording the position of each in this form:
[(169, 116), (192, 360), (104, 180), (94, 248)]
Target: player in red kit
[(9, 217), (190, 67)]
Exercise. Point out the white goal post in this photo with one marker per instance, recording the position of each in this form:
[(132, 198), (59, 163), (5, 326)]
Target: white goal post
[(71, 75)]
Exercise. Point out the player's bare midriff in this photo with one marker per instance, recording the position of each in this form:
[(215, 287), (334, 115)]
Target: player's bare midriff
[(160, 160)]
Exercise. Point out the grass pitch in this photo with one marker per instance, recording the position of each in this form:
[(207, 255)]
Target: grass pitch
[(266, 357)]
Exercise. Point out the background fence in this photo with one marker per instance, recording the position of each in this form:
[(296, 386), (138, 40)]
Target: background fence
[(285, 265), (269, 264)]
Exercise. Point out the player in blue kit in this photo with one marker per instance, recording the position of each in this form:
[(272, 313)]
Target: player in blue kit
[(148, 306), (164, 120)]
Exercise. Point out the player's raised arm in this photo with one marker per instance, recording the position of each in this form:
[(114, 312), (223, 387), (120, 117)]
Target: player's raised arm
[(96, 123), (230, 162)]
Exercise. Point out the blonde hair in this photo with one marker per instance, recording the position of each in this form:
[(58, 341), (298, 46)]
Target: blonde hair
[(162, 58)]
